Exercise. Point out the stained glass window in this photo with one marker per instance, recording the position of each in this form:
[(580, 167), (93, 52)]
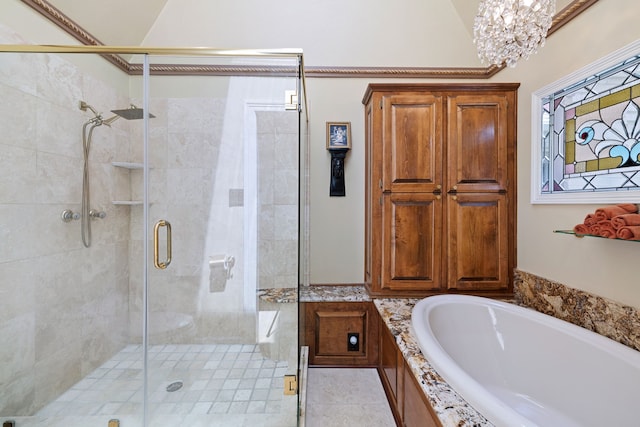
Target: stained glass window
[(589, 133)]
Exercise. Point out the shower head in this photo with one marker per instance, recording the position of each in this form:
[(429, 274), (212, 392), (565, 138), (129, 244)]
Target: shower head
[(131, 113)]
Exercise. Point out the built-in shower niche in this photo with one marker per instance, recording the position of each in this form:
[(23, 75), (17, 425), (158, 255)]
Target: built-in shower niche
[(127, 183)]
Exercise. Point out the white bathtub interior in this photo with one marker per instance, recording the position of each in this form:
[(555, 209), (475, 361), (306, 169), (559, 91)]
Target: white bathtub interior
[(520, 367)]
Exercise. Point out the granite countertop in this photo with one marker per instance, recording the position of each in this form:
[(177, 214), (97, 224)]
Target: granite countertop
[(278, 295), (334, 293), (450, 408), (314, 293)]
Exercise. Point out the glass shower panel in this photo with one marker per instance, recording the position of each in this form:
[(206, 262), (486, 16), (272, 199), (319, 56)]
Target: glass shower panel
[(224, 200), (222, 157), (67, 357)]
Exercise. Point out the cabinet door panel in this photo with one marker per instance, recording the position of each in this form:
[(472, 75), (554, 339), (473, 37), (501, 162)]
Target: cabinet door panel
[(417, 412), (412, 241), (477, 146), (478, 248), (327, 327), (412, 140), (389, 362)]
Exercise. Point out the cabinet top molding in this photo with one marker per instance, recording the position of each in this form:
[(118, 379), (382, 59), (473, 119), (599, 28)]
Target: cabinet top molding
[(435, 87)]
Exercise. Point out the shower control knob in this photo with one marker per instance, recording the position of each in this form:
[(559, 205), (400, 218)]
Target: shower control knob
[(67, 215), (97, 214)]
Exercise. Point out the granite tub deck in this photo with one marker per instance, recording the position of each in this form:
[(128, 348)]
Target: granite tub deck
[(451, 409)]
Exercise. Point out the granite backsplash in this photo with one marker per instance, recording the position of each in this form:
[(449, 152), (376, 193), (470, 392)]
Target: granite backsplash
[(609, 318)]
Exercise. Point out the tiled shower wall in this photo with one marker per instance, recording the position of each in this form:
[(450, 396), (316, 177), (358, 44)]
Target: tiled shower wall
[(64, 307)]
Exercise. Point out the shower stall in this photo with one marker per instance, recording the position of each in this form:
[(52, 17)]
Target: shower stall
[(149, 267)]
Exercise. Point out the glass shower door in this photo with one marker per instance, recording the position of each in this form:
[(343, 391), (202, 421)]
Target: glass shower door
[(221, 292)]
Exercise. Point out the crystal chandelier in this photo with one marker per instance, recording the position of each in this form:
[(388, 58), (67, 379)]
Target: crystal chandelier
[(507, 30)]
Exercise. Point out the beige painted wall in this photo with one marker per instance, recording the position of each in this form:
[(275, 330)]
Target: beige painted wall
[(604, 267), (411, 33)]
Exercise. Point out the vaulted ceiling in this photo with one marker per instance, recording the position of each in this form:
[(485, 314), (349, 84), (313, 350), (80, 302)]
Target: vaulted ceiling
[(127, 22)]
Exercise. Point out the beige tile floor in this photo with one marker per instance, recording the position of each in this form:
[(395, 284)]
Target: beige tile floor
[(341, 397)]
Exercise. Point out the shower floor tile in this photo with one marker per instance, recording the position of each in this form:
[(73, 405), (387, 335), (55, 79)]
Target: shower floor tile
[(216, 379)]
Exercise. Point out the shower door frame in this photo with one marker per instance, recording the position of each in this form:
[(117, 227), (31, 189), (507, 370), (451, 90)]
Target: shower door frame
[(112, 54)]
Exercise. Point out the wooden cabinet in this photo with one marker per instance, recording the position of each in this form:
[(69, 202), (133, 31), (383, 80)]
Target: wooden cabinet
[(440, 188), (329, 326), (416, 410), (408, 403), (390, 360)]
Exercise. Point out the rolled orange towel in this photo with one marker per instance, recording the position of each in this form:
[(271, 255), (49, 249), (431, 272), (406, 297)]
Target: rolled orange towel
[(629, 232), (582, 229), (590, 219), (626, 219), (605, 229), (608, 212), (629, 207)]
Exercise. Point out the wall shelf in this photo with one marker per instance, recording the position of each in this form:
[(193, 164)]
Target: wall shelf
[(127, 202), (128, 165), (573, 233)]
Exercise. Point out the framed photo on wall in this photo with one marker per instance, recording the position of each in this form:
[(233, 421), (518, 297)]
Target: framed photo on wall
[(338, 135)]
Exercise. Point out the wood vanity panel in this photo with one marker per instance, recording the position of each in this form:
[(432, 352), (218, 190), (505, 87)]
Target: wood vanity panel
[(417, 411), (408, 402), (388, 370), (327, 325)]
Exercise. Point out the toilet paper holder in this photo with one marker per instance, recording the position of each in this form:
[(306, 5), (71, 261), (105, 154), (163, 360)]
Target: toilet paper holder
[(229, 262), (220, 271), (226, 261)]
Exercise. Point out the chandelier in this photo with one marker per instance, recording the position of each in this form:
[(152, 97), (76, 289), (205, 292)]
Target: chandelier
[(506, 30)]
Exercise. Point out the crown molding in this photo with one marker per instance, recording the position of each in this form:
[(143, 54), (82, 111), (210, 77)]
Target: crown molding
[(572, 10), (43, 7)]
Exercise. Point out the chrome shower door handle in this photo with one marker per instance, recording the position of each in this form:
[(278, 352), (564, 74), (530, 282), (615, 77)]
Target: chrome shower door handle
[(156, 245)]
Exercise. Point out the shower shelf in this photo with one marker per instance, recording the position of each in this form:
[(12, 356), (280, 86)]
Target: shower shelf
[(128, 165), (127, 202)]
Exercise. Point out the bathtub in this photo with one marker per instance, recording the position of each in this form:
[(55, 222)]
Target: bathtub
[(519, 367)]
